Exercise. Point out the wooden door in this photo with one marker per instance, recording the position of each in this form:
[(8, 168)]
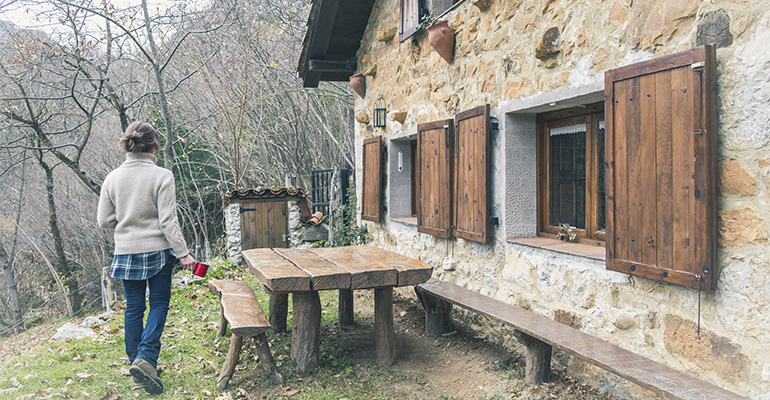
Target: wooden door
[(264, 224)]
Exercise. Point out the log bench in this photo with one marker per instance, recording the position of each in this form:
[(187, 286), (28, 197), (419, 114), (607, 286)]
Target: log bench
[(540, 334), (239, 307)]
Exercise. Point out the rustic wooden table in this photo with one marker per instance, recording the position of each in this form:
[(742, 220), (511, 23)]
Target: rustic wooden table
[(303, 272)]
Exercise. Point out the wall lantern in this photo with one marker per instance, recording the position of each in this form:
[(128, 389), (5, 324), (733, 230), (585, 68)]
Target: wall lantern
[(379, 113)]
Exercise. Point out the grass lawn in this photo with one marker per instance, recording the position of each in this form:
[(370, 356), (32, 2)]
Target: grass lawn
[(97, 367)]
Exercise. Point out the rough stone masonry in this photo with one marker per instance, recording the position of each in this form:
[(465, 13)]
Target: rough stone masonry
[(524, 53)]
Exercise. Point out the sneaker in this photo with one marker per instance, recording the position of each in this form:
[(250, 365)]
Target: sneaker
[(145, 374)]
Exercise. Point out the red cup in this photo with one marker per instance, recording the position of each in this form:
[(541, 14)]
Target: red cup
[(200, 269)]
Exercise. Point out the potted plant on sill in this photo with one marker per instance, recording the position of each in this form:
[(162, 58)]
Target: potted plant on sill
[(440, 36)]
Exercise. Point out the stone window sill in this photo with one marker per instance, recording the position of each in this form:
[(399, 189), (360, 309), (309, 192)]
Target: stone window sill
[(406, 220), (578, 249)]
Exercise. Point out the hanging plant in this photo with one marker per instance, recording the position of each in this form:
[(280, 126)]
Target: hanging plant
[(358, 83), (440, 36)]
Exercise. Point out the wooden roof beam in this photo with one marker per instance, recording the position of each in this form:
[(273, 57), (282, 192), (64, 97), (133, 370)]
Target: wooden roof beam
[(327, 15), (320, 66)]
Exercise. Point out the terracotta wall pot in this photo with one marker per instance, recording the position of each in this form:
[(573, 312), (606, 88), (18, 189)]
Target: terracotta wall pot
[(358, 83), (442, 38)]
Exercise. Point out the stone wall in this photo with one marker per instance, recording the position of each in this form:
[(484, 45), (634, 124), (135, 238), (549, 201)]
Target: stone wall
[(520, 56)]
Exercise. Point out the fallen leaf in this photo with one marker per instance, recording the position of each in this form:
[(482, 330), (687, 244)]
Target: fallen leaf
[(225, 396), (197, 359), (15, 382), (77, 358), (28, 377), (9, 390), (291, 392), (111, 394), (84, 375), (124, 372)]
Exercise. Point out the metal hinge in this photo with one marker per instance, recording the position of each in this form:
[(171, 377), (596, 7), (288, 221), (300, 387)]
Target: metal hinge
[(243, 210), (698, 65)]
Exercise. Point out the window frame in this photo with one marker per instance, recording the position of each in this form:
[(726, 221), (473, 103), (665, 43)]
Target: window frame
[(591, 114)]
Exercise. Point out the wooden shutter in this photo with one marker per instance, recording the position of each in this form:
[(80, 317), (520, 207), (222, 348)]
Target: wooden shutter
[(410, 18), (661, 168), (372, 179), (434, 171), (471, 168)]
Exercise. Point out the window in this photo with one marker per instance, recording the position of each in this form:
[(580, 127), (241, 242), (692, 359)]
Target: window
[(372, 179), (402, 178), (661, 168), (571, 173), (412, 11), (453, 176)]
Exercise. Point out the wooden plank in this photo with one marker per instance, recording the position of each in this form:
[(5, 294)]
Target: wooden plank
[(410, 271), (619, 216), (648, 177), (634, 169), (663, 167), (706, 178), (681, 131), (609, 168), (324, 275), (649, 374), (364, 272), (275, 272), (240, 307)]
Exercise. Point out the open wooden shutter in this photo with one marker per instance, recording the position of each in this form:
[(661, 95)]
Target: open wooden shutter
[(471, 168), (410, 18), (661, 168), (434, 171), (372, 179)]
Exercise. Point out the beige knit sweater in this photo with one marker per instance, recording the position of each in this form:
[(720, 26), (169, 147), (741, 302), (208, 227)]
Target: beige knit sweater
[(138, 203)]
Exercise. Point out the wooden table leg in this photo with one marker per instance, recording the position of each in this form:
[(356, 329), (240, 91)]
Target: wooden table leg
[(345, 308), (306, 330), (279, 307), (385, 340)]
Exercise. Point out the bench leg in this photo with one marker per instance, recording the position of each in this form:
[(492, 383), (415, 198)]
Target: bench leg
[(538, 358), (222, 326), (266, 359), (230, 362), (306, 331), (438, 314), (279, 307), (345, 309), (385, 340)]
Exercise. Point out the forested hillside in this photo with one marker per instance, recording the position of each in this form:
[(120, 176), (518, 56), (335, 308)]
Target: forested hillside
[(217, 80)]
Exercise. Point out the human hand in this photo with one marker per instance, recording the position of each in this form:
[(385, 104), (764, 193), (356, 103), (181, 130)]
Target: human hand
[(188, 262)]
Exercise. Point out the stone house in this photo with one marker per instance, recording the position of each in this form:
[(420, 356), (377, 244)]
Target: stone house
[(606, 119)]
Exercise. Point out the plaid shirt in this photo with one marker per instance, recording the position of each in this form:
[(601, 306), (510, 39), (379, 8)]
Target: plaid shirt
[(137, 267)]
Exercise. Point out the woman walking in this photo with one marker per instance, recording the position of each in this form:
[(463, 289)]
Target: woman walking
[(138, 203)]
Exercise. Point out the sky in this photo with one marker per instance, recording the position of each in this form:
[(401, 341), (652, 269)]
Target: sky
[(24, 15)]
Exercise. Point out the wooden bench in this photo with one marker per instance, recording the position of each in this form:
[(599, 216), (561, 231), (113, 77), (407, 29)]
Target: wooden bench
[(539, 334), (238, 306)]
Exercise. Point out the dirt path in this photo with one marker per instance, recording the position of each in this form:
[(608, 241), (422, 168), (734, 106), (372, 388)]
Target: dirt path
[(457, 366)]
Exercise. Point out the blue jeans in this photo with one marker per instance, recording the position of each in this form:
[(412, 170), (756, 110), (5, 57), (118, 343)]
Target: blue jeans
[(144, 341)]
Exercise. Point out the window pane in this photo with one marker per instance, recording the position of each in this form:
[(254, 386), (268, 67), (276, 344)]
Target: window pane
[(567, 169), (601, 195)]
